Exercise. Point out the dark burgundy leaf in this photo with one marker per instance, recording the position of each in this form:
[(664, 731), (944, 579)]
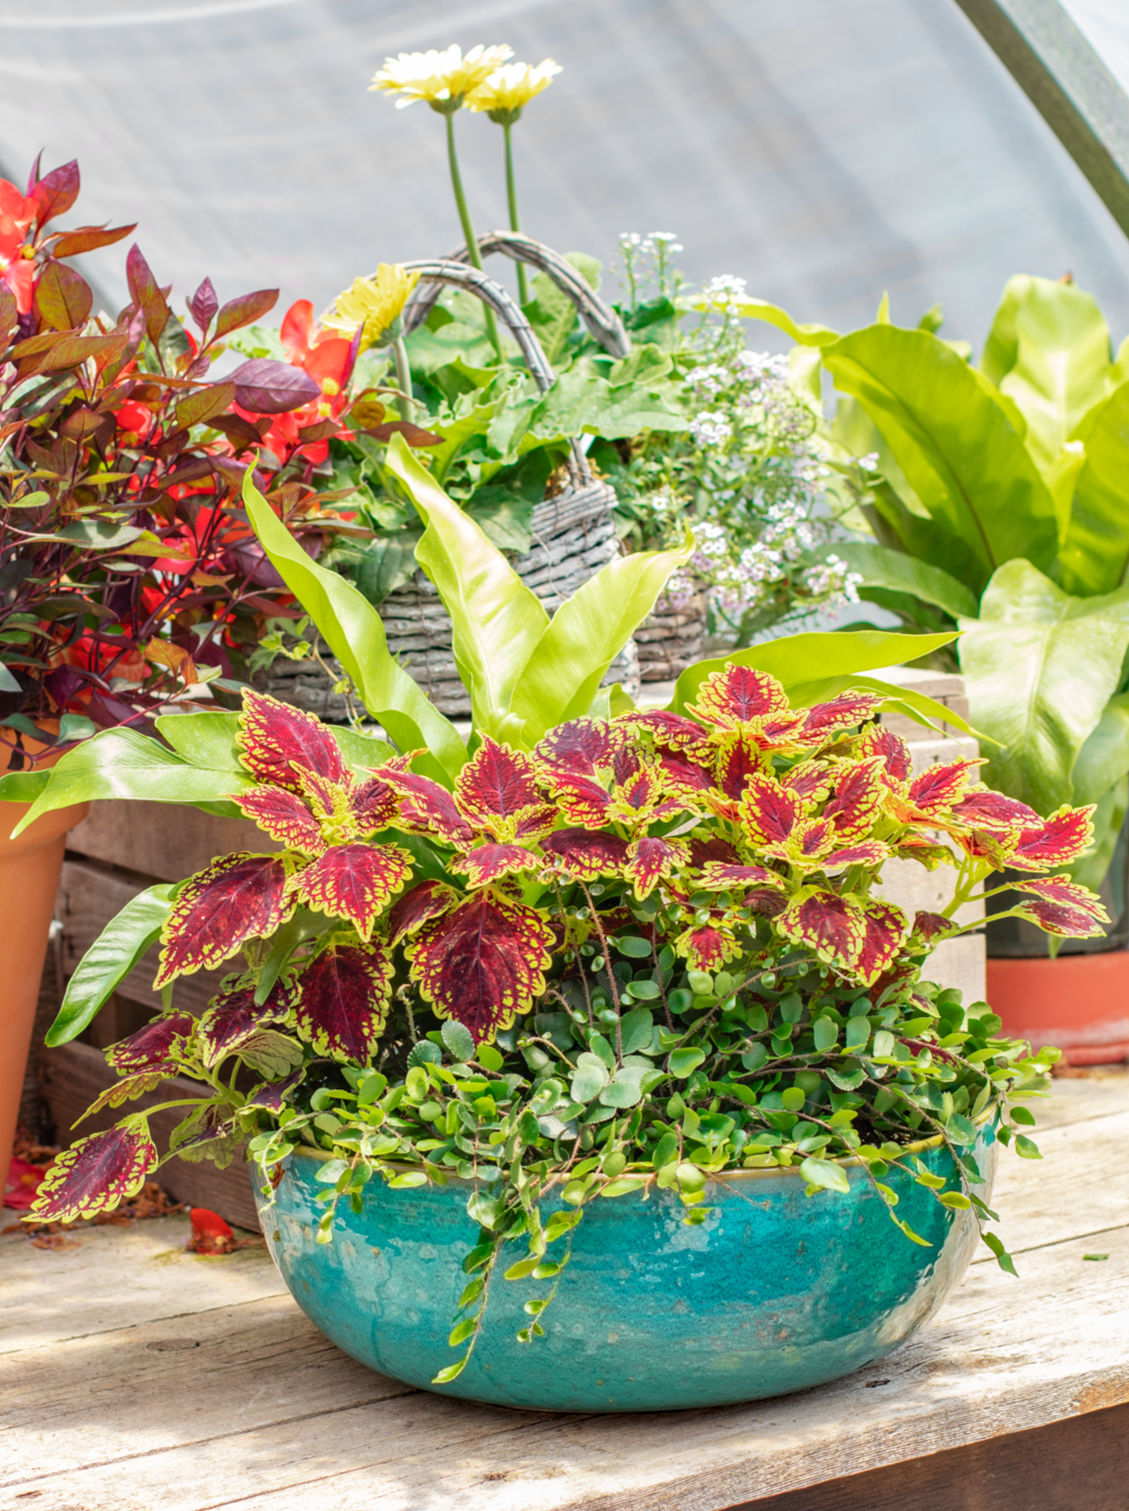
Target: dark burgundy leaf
[(57, 191), (204, 304), (265, 386), (146, 293), (236, 428), (242, 311), (928, 926), (63, 297), (62, 684), (373, 805), (413, 434), (344, 1001), (97, 1173)]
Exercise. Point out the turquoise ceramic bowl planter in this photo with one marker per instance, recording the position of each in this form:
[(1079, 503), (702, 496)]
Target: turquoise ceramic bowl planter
[(773, 1293)]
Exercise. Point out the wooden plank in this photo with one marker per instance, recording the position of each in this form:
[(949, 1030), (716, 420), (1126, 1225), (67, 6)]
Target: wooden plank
[(1047, 1357), (89, 896), (161, 840), (1047, 1469), (112, 1281), (1003, 1358), (74, 1076)]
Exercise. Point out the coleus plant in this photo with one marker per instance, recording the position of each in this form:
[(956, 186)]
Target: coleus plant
[(596, 953)]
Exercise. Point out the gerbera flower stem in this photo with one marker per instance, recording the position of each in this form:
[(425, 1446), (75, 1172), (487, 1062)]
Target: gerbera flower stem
[(468, 230), (404, 378), (515, 223)]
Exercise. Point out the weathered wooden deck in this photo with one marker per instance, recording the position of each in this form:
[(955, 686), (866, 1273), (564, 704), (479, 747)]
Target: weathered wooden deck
[(135, 1375)]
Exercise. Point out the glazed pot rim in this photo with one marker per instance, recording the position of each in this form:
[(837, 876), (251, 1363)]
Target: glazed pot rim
[(718, 1176)]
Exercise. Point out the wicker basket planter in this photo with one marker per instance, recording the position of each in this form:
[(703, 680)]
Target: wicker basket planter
[(672, 638), (573, 532)]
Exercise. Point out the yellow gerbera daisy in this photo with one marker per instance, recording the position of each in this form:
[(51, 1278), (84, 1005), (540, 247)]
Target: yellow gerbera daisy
[(443, 79), (373, 303), (510, 88)]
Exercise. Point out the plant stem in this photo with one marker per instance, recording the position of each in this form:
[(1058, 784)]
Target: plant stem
[(515, 223), (468, 230), (404, 378)]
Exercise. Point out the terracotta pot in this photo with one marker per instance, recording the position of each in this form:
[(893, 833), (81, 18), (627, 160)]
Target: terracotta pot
[(1078, 1002), (29, 880)]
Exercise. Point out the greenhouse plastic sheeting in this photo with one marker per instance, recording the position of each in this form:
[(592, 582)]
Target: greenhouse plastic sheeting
[(824, 150)]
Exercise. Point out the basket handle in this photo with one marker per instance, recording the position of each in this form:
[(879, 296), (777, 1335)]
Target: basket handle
[(495, 297), (602, 321)]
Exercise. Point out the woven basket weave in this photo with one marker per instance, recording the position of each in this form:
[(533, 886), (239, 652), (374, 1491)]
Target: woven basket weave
[(573, 532), (671, 638)]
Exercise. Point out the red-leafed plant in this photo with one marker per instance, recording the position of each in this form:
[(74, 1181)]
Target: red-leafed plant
[(128, 573), (652, 940)]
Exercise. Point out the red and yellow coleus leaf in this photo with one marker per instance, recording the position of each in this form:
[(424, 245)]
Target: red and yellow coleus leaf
[(1062, 906), (581, 800), (343, 1001), (868, 852), (811, 780), (857, 935), (427, 808), (707, 947), (846, 711), (769, 812), (739, 696), (934, 792), (409, 913), (671, 732), (284, 816), (830, 926), (683, 777), (232, 1016), (373, 805), (238, 897), (154, 1046), (97, 1174), (586, 856), (736, 759), (1059, 840), (354, 882), (580, 748), (884, 931), (879, 740), (276, 741), (650, 859), (984, 809), (929, 926), (490, 862), (722, 876), (856, 799), (497, 792), (483, 963)]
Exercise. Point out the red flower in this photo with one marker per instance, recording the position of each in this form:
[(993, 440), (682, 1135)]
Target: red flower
[(17, 271)]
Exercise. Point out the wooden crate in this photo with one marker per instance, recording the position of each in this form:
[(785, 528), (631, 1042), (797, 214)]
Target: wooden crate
[(117, 852)]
